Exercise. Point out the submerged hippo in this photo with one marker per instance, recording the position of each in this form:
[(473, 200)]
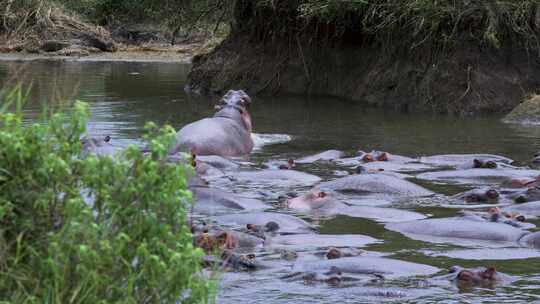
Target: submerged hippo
[(482, 195), (480, 276), (464, 160), (528, 210), (458, 230), (477, 176), (100, 146), (278, 176), (304, 241), (362, 265), (287, 223), (328, 155), (227, 133), (322, 203), (212, 201), (219, 239), (376, 183)]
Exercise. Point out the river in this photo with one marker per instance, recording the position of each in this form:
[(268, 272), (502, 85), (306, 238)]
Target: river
[(124, 95)]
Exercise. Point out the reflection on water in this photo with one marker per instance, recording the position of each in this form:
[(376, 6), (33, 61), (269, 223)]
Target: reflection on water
[(123, 96)]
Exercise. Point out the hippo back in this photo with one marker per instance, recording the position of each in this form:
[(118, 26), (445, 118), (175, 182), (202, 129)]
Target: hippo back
[(214, 136)]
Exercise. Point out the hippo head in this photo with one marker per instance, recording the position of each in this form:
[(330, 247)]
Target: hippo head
[(333, 253), (479, 275), (235, 99), (314, 199), (234, 105)]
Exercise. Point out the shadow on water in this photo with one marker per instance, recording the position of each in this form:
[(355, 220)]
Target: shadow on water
[(123, 96)]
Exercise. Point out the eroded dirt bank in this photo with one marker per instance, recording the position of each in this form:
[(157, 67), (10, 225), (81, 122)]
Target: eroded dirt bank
[(277, 54)]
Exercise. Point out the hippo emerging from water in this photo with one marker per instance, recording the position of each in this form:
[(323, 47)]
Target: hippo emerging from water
[(227, 133)]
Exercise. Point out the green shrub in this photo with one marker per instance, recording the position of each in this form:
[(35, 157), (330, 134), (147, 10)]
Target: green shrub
[(131, 245)]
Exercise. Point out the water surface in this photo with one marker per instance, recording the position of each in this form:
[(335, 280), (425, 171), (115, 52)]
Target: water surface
[(123, 96)]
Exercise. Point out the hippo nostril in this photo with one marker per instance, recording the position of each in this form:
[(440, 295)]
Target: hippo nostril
[(477, 163), (520, 218)]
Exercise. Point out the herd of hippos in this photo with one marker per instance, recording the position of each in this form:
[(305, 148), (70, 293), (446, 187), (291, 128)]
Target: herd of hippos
[(229, 227)]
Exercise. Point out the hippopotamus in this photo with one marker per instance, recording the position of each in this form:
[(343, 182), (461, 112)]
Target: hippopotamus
[(478, 176), (479, 276), (231, 260), (482, 195), (459, 230), (496, 215), (328, 155), (283, 165), (464, 161), (503, 254), (212, 201), (362, 265), (323, 203), (287, 223), (99, 146), (278, 176), (528, 210), (227, 133), (304, 241), (376, 183), (383, 161), (220, 239)]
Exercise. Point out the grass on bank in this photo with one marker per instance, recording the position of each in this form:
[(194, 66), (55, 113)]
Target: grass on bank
[(413, 22), (95, 229)]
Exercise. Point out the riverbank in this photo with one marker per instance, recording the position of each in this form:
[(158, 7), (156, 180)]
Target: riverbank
[(177, 53), (41, 30), (463, 58)]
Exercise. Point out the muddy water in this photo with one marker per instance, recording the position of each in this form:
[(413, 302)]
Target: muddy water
[(123, 96)]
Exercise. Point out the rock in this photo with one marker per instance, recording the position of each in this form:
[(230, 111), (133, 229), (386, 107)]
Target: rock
[(527, 112)]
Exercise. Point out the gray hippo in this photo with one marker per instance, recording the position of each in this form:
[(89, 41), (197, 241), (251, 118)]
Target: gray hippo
[(287, 223), (478, 176), (304, 241), (376, 183), (479, 276), (278, 176), (383, 161), (529, 210), (227, 133), (463, 160), (328, 155), (212, 201), (459, 230), (100, 146), (481, 195), (362, 265), (322, 203)]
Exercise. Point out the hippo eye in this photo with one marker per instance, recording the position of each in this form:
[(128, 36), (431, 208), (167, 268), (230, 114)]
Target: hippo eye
[(107, 138), (321, 194)]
